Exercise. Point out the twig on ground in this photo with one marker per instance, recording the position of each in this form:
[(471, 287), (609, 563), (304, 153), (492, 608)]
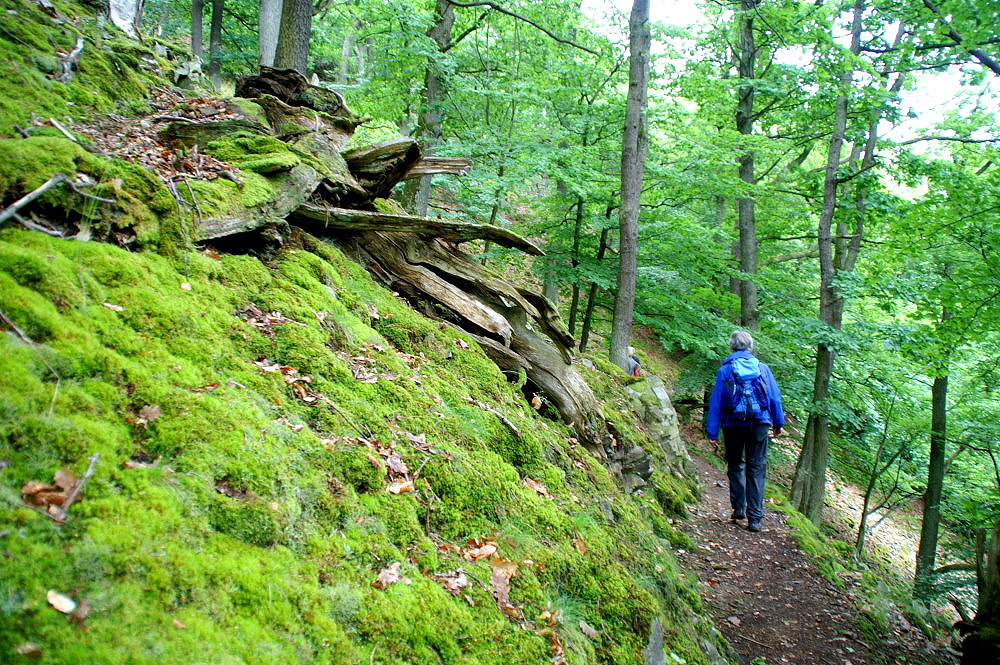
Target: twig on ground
[(750, 639), (86, 146), (77, 489), (10, 210), (17, 331)]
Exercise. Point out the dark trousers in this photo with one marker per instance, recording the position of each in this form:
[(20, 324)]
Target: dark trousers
[(746, 462)]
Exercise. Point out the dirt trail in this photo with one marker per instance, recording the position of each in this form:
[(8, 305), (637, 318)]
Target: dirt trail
[(769, 599)]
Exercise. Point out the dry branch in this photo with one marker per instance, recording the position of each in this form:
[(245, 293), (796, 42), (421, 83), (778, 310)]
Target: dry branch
[(316, 218), (12, 209)]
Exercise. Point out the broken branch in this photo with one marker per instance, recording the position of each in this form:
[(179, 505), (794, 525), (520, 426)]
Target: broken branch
[(31, 196)]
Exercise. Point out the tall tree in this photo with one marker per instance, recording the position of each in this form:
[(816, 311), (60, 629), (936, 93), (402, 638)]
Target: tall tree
[(197, 28), (215, 44), (634, 144), (746, 222), (269, 25), (809, 484), (293, 38)]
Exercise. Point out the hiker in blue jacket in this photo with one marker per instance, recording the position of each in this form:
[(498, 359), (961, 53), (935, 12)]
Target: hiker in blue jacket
[(747, 403)]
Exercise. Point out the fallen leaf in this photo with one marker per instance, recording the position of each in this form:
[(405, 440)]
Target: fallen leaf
[(401, 487), (179, 624), (502, 572), (65, 479), (185, 286), (536, 402), (390, 575), (537, 486), (588, 630), (63, 603), (396, 464), (453, 582), (481, 549), (461, 343), (114, 308), (82, 611), (735, 620), (29, 649), (148, 414), (580, 546)]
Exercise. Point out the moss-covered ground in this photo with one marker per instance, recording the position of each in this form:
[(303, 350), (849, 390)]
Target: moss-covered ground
[(245, 524), (249, 420)]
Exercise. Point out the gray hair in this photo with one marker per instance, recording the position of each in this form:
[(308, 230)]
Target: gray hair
[(740, 341)]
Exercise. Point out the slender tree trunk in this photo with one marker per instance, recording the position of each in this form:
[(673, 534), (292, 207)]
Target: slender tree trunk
[(574, 304), (982, 645), (197, 29), (431, 116), (293, 39), (633, 164), (809, 483), (215, 44), (923, 582), (269, 25), (745, 205), (588, 315)]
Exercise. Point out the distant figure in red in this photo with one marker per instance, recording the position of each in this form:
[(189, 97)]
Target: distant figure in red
[(633, 362), (747, 403)]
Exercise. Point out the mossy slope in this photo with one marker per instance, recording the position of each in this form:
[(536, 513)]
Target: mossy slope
[(232, 535)]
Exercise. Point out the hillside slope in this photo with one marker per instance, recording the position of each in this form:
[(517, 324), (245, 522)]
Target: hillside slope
[(289, 464)]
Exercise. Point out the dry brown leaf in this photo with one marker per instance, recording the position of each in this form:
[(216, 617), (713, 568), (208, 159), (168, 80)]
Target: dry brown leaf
[(82, 611), (148, 414), (396, 464), (65, 479), (480, 549), (401, 487), (453, 582), (580, 546), (536, 402), (29, 649), (114, 308), (502, 572), (537, 486), (390, 575), (61, 602), (179, 624)]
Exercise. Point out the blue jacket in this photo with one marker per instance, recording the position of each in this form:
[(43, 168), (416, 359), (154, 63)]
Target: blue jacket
[(774, 416)]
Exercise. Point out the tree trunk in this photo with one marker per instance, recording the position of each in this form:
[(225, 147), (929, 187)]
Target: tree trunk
[(633, 164), (809, 483), (126, 15), (574, 304), (197, 29), (982, 645), (745, 205), (431, 116), (293, 38), (923, 582), (269, 25), (588, 315), (215, 44)]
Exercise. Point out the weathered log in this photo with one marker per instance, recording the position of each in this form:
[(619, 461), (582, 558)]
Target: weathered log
[(514, 331), (292, 188), (379, 167), (315, 218), (433, 165), (190, 134)]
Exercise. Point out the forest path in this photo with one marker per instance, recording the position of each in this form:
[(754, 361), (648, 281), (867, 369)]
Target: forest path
[(768, 598)]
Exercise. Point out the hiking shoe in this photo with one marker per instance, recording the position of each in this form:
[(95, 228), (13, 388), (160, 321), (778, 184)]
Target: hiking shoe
[(737, 516), (754, 526)]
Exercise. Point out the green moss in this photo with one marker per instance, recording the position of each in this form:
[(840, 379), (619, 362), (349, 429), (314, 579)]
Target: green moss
[(253, 522)]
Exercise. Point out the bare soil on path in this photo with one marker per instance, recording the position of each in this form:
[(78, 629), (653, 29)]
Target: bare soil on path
[(769, 599)]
